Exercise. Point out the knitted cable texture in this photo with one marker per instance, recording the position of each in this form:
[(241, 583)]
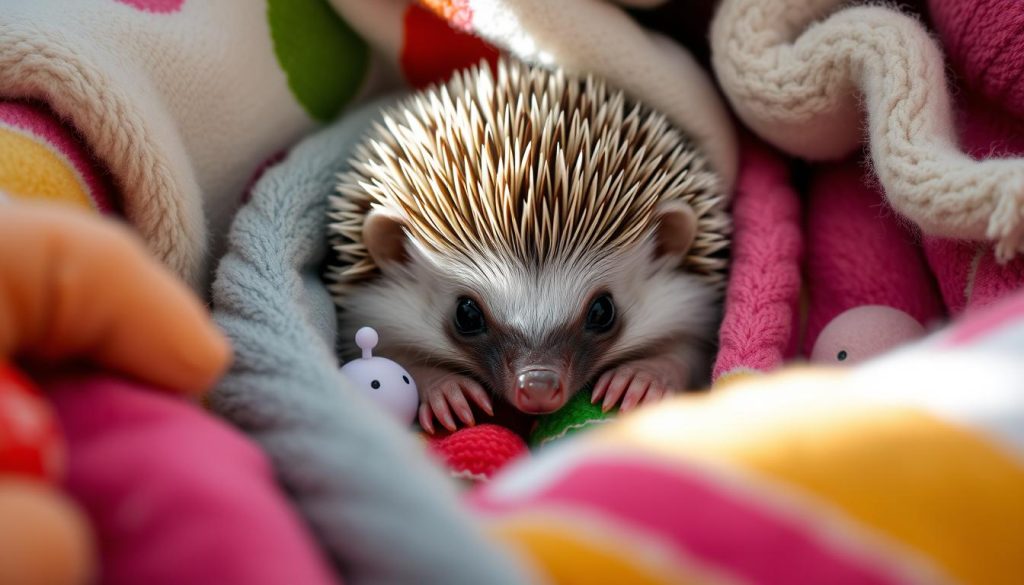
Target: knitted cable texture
[(801, 83), (165, 206)]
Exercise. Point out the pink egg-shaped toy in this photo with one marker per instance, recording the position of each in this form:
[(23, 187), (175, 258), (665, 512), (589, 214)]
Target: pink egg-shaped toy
[(384, 381), (862, 333)]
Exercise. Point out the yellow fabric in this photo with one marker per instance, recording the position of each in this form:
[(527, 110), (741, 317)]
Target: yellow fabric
[(30, 169), (568, 555), (934, 487)]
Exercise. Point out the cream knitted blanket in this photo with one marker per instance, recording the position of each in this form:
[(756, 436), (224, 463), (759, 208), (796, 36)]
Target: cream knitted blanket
[(181, 100), (803, 74)]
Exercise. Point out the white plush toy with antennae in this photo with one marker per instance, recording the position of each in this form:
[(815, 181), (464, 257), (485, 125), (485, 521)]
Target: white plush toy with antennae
[(384, 381)]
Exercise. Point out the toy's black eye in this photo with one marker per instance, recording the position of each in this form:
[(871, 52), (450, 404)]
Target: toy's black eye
[(841, 356), (601, 314), (406, 378), (375, 384), (469, 319)]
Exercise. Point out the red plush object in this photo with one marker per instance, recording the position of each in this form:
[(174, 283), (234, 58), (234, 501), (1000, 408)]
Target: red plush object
[(30, 442), (477, 453)]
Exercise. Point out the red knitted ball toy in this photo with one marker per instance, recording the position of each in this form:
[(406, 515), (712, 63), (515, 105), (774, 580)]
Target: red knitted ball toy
[(476, 453)]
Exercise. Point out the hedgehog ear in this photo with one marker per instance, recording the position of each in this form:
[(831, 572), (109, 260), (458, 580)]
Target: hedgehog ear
[(676, 229), (384, 238)]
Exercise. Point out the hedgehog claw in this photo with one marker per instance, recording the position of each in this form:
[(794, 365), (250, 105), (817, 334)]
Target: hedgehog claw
[(426, 418), (439, 406), (637, 390), (457, 402), (479, 396), (601, 386), (443, 393), (638, 383)]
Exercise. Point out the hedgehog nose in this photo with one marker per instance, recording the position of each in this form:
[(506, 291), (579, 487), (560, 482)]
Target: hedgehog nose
[(539, 390)]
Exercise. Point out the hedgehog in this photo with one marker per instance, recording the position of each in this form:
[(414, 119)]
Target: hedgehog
[(520, 234)]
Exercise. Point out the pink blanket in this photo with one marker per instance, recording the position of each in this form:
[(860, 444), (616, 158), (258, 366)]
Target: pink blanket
[(175, 495)]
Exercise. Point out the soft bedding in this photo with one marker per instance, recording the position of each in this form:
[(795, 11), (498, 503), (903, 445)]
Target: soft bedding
[(382, 509)]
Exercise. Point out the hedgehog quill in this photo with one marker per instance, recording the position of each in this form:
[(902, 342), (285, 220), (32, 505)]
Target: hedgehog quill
[(523, 235)]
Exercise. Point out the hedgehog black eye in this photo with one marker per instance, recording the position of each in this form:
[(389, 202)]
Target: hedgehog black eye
[(601, 314), (469, 319)]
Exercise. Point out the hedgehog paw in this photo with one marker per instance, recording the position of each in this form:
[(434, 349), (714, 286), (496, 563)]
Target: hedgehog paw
[(639, 382), (442, 393)]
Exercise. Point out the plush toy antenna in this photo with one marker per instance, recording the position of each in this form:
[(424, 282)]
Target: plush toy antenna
[(366, 339), (382, 380)]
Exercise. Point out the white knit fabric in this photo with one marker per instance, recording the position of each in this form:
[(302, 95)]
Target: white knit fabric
[(802, 83), (180, 106)]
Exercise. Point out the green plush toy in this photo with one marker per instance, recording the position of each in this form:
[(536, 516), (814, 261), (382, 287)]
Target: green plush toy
[(577, 414)]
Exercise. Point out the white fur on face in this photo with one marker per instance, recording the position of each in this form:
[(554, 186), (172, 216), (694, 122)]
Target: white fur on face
[(408, 306), (655, 301), (659, 303)]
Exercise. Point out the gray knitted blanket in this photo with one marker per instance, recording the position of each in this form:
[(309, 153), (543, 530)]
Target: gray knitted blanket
[(381, 509)]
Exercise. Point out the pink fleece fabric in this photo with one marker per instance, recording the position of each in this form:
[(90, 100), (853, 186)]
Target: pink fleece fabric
[(176, 496), (861, 253), (760, 321)]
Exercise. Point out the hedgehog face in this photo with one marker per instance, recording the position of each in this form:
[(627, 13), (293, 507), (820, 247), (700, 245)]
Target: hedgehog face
[(535, 333), (532, 334)]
